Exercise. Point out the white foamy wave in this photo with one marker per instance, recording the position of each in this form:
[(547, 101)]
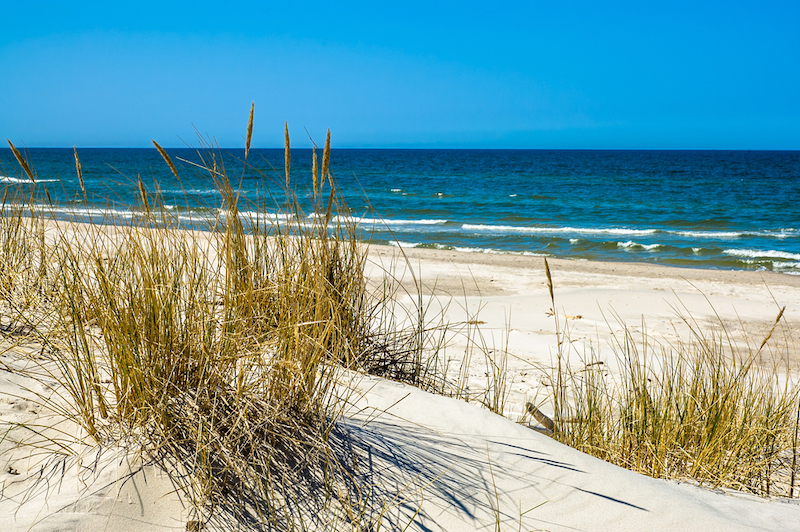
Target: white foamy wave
[(574, 240), (545, 230), (400, 244), (782, 233), (787, 268), (17, 180), (403, 222), (477, 250), (490, 251), (92, 211), (379, 221), (257, 215), (397, 190), (198, 191), (635, 245), (757, 254), (710, 234)]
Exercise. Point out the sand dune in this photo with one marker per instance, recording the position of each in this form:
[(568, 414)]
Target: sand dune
[(442, 463)]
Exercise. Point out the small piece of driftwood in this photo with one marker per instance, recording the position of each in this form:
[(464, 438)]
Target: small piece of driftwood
[(539, 416)]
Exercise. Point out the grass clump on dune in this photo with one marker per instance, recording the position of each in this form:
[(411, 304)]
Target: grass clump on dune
[(703, 409), (217, 352)]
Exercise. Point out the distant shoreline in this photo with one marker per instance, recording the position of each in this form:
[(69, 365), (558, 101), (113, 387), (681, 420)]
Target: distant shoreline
[(611, 268)]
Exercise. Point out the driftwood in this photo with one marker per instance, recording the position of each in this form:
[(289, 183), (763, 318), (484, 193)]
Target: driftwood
[(539, 416)]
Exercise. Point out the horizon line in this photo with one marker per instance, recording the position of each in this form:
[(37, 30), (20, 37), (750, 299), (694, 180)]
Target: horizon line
[(396, 148)]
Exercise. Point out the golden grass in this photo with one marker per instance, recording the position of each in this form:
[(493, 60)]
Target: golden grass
[(22, 162), (249, 130), (702, 410), (79, 171), (167, 159), (287, 153), (217, 353)]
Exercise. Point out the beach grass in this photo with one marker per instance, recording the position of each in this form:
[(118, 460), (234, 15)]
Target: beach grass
[(221, 354), (708, 409)]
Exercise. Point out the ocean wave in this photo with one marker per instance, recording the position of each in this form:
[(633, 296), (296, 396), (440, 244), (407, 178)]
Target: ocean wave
[(588, 231), (490, 251), (422, 245), (781, 233), (92, 211), (625, 231), (758, 254), (465, 249), (25, 180), (260, 215), (197, 191), (400, 244), (709, 234), (388, 221), (632, 245)]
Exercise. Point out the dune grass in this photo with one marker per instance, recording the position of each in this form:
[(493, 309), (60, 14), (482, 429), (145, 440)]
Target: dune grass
[(218, 353), (703, 410)]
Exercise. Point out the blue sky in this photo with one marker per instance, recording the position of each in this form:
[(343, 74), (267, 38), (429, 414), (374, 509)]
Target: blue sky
[(622, 75)]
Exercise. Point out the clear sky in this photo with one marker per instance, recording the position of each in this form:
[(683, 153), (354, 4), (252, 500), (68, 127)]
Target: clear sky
[(503, 74)]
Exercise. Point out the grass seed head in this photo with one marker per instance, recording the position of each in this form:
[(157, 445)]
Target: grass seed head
[(249, 130), (22, 162)]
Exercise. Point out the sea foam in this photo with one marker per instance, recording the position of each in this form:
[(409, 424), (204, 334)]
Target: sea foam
[(579, 230), (388, 221), (757, 254), (633, 245), (17, 180)]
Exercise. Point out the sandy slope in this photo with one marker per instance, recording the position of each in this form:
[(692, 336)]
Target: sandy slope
[(508, 296), (460, 466), (445, 464), (474, 467)]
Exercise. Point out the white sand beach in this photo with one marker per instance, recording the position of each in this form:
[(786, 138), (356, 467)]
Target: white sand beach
[(441, 463)]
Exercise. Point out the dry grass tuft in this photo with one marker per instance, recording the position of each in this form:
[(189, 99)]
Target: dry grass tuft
[(702, 410), (218, 353)]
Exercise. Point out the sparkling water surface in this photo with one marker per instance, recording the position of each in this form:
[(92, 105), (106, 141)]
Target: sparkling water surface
[(710, 209)]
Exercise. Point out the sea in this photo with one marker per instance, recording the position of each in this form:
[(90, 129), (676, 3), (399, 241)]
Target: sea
[(736, 210)]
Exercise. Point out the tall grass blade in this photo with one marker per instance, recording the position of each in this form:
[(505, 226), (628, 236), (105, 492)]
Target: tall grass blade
[(143, 195), (79, 172), (326, 159), (314, 171), (167, 158), (249, 130), (287, 155), (22, 162)]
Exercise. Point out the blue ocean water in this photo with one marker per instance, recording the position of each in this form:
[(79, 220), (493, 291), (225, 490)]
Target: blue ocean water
[(710, 209)]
